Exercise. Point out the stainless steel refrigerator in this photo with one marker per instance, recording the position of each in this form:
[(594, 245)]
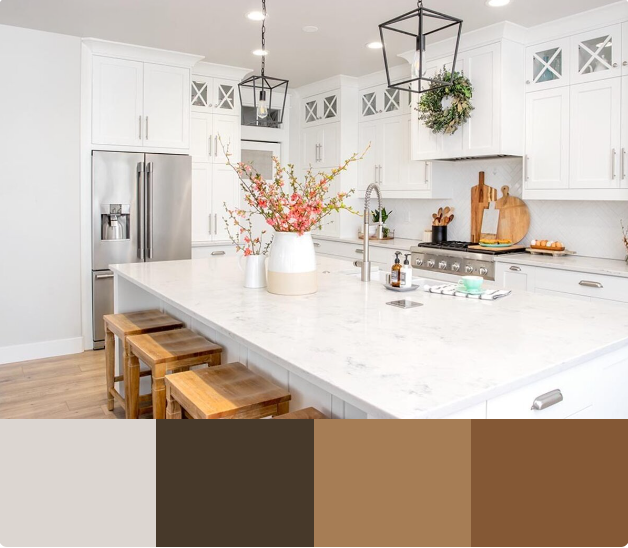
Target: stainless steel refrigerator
[(141, 212)]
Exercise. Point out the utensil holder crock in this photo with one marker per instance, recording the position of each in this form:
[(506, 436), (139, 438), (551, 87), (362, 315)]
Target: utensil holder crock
[(439, 234)]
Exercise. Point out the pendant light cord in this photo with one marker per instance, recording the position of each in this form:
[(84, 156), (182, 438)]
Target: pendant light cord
[(263, 36)]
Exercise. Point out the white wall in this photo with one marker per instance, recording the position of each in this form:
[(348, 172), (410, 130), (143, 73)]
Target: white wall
[(40, 299), (590, 228)]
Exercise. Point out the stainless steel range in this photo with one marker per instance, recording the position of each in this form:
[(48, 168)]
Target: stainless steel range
[(456, 258)]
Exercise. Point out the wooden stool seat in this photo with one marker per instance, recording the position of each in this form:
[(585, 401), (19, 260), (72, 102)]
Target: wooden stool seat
[(309, 413), (168, 351), (230, 391), (123, 326)]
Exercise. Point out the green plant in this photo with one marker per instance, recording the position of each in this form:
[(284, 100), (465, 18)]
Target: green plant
[(384, 215)]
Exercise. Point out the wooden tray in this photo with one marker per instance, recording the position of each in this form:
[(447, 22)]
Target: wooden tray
[(497, 249), (547, 251), (361, 236)]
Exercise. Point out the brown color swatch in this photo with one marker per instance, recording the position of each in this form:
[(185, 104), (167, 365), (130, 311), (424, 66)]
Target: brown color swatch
[(235, 483), (392, 483), (550, 483)]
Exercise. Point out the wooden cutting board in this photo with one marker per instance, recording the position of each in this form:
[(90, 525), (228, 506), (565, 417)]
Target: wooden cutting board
[(481, 196), (514, 217), (510, 249)]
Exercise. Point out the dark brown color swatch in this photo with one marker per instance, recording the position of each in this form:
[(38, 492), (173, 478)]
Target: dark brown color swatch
[(392, 483), (550, 483), (235, 483)]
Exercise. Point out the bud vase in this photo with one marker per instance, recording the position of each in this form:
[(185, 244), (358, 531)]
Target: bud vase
[(292, 265)]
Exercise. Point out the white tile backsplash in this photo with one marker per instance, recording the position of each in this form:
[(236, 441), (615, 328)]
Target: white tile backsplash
[(590, 228)]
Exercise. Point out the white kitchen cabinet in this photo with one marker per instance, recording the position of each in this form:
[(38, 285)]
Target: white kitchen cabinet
[(213, 185), (202, 139), (624, 61), (547, 65), (213, 251), (140, 104), (512, 276), (382, 101), (117, 106), (321, 108), (214, 95), (596, 54), (623, 182), (595, 134), (547, 139), (210, 133), (368, 168), (321, 147)]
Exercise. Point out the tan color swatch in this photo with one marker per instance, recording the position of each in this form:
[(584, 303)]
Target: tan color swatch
[(392, 483), (550, 483)]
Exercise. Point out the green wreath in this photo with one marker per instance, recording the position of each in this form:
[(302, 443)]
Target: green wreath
[(430, 107)]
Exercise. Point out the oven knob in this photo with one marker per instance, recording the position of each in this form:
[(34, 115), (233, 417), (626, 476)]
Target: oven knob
[(483, 271), (431, 264), (455, 267), (469, 269), (442, 265), (419, 262)]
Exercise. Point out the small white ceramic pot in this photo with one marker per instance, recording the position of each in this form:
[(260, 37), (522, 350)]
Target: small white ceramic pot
[(254, 271), (292, 265)]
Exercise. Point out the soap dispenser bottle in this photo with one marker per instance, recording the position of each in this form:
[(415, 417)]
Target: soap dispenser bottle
[(395, 275), (406, 273)]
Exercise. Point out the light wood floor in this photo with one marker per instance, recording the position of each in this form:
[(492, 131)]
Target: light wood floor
[(68, 387)]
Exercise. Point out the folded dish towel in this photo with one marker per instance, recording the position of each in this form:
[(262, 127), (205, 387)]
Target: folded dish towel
[(452, 291)]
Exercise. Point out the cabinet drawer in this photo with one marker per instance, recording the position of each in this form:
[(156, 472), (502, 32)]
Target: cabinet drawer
[(336, 249), (213, 251), (574, 385), (587, 285)]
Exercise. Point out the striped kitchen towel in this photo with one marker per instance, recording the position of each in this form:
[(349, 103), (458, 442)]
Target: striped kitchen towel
[(451, 291)]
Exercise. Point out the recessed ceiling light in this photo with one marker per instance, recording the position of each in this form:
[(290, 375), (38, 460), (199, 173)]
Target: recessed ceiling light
[(374, 45), (310, 28), (497, 3), (255, 16), (260, 52)]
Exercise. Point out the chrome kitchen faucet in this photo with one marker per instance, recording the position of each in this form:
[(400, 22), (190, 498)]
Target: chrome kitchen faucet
[(366, 259)]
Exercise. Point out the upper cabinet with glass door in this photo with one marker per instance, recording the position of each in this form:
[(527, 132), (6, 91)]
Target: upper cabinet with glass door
[(547, 65), (211, 95), (596, 54), (381, 101), (322, 108)]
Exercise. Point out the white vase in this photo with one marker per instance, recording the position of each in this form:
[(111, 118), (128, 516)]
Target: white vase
[(292, 265), (254, 271)]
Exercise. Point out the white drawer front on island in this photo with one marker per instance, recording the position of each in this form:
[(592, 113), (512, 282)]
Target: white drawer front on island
[(574, 385), (213, 251), (595, 286)]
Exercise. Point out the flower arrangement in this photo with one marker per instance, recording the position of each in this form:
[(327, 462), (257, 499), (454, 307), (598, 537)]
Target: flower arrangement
[(240, 221), (287, 204), (625, 235)]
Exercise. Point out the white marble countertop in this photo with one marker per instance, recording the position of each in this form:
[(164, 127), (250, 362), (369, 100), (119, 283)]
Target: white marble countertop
[(592, 265), (397, 243), (425, 362)]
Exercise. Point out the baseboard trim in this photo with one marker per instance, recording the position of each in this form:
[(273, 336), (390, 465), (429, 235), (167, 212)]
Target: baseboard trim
[(36, 351)]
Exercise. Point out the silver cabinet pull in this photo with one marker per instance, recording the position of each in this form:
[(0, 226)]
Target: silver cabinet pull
[(147, 128), (613, 156), (381, 175), (320, 153), (547, 400), (596, 285), (515, 269), (426, 178), (526, 167), (216, 146), (359, 251), (216, 224), (210, 224), (141, 221), (375, 180), (140, 124), (211, 142), (104, 276), (317, 244), (149, 210), (623, 163), (218, 253)]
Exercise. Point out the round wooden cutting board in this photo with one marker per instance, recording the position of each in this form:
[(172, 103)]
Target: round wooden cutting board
[(514, 217)]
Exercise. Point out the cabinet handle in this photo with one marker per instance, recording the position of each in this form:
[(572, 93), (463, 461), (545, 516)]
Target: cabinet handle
[(359, 251), (218, 253), (547, 400), (623, 163), (216, 146), (320, 152), (595, 285), (140, 124), (613, 156), (211, 142), (147, 128), (515, 269), (215, 224), (625, 63), (526, 167), (381, 175), (210, 224), (316, 244), (426, 178), (104, 276)]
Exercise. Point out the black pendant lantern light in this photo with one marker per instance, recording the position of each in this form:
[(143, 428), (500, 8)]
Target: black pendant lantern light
[(269, 94), (420, 19)]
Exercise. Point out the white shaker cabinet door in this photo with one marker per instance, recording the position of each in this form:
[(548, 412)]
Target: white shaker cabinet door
[(225, 190), (595, 134), (202, 221), (596, 54), (226, 137), (368, 168), (329, 150), (117, 113), (202, 137), (392, 161), (624, 62), (166, 106), (547, 139), (624, 129), (547, 65), (226, 98)]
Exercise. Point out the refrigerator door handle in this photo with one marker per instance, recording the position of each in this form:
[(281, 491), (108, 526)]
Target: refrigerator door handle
[(149, 210), (140, 211)]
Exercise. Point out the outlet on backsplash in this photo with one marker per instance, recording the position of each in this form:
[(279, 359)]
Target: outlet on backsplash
[(590, 228)]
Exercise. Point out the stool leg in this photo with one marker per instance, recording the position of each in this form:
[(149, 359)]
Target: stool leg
[(173, 409), (283, 408), (159, 392), (110, 364), (132, 386)]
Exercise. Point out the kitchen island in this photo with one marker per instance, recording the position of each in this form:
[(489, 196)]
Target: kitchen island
[(344, 351)]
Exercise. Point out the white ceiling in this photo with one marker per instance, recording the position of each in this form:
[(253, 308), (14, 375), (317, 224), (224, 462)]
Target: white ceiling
[(219, 30)]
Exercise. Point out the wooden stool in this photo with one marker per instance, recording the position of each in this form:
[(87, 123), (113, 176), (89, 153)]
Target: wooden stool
[(123, 326), (167, 351), (309, 413), (226, 392)]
